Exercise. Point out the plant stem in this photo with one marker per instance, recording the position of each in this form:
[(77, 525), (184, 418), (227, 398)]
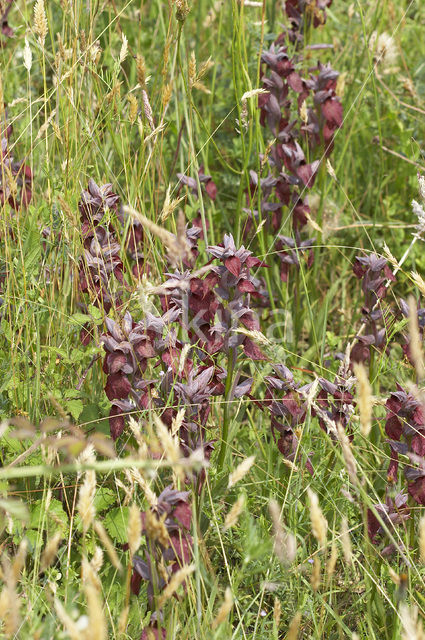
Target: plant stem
[(227, 396)]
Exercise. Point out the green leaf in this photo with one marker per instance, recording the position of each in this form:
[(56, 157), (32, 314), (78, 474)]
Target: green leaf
[(80, 318), (104, 498), (16, 508), (74, 407), (115, 523), (55, 520)]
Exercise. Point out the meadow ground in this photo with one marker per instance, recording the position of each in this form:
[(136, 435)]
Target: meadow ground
[(211, 323)]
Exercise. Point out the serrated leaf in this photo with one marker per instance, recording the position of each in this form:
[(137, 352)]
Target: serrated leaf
[(80, 318), (74, 407), (55, 519), (115, 523)]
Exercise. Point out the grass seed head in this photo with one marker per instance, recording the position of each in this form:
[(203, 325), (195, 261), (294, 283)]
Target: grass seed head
[(316, 573), (240, 472), (319, 525), (294, 627), (85, 504), (40, 21), (285, 545), (109, 547), (422, 538), (364, 399), (415, 343), (277, 612), (134, 529), (224, 610), (347, 452), (50, 551), (346, 542), (177, 579), (234, 513), (331, 564)]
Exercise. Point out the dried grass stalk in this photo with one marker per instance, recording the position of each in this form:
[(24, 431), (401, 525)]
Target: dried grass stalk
[(224, 610), (85, 504), (40, 21), (319, 525), (415, 344), (285, 545), (294, 627), (234, 513), (240, 472), (70, 626), (109, 547), (349, 459), (177, 579), (134, 529), (50, 551), (364, 399), (346, 542), (316, 573)]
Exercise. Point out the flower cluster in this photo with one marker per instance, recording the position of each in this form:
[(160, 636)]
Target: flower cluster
[(405, 426), (375, 275), (15, 177), (169, 545)]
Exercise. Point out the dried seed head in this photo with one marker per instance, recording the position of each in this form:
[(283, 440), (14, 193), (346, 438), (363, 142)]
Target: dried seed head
[(169, 205), (97, 622), (192, 69), (350, 461), (182, 9), (178, 249), (294, 627), (277, 612), (134, 529), (109, 547), (156, 529), (50, 551), (70, 626), (319, 525), (224, 610), (123, 620), (19, 560), (422, 538), (141, 70), (412, 625), (421, 184), (315, 573), (132, 108), (40, 21), (304, 112), (27, 56), (234, 513), (333, 557), (124, 48), (415, 343), (346, 542), (240, 472), (384, 49), (177, 579), (285, 545), (148, 110), (340, 85), (169, 443), (95, 52), (167, 92), (85, 504), (364, 399), (97, 559), (180, 415)]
